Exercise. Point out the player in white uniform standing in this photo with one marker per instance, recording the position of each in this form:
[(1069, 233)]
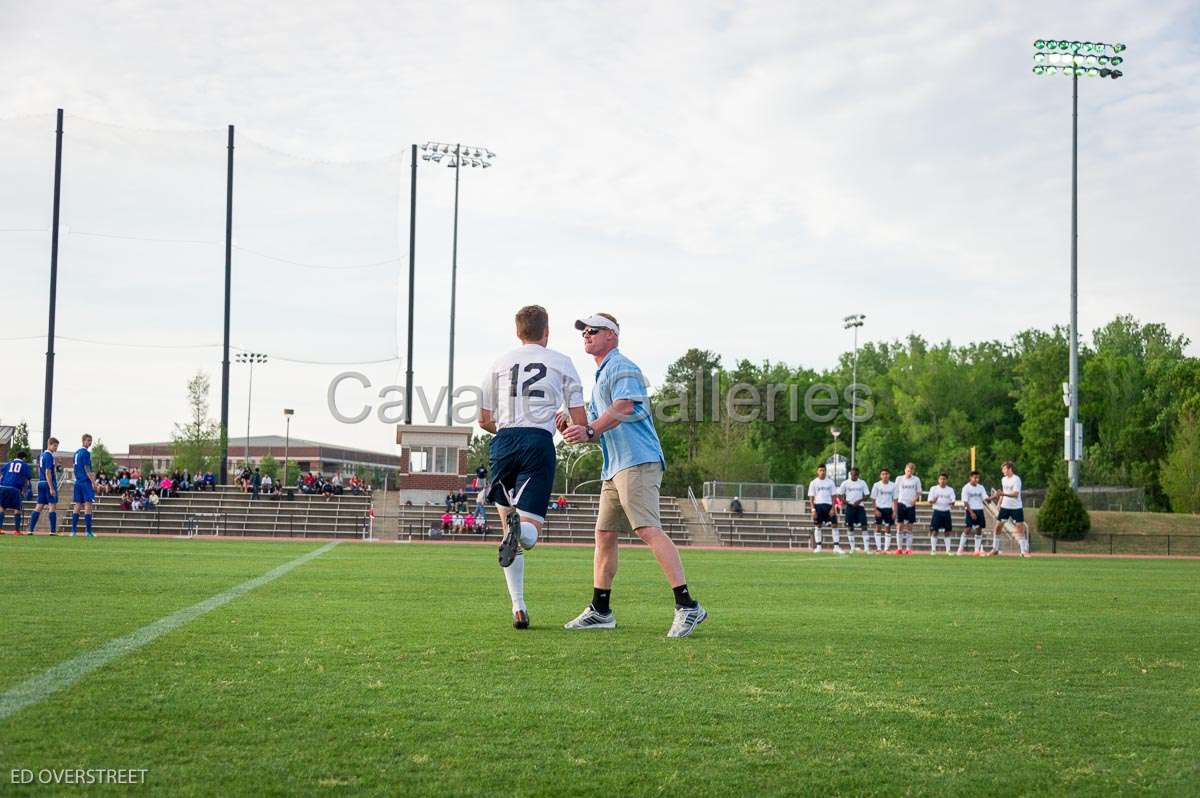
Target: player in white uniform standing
[(973, 497), (854, 491), (942, 497), (521, 393), (883, 495), (1011, 509), (908, 490), (820, 504)]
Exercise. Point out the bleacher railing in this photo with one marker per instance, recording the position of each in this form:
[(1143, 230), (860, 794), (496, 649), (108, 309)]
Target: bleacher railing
[(754, 490)]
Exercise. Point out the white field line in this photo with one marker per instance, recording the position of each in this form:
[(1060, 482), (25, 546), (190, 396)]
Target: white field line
[(68, 672)]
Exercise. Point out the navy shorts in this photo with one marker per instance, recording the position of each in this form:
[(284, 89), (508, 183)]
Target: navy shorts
[(523, 456), (1016, 514), (84, 493), (906, 514), (823, 514), (44, 495), (856, 515), (974, 522), (10, 498), (883, 516), (941, 521)]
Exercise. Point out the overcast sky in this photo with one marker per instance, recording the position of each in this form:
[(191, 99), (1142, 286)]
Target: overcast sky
[(732, 176)]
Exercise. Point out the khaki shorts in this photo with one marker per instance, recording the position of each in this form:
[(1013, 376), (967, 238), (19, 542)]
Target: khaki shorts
[(629, 500)]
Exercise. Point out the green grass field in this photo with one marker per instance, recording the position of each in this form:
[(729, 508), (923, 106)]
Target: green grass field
[(394, 670)]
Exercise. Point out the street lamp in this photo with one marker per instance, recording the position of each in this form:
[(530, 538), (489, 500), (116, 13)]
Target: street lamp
[(457, 157), (251, 358), (854, 320), (1076, 59), (287, 439)]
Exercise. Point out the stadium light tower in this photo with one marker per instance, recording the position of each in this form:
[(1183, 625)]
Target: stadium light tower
[(1076, 60), (251, 358), (457, 157), (854, 320)]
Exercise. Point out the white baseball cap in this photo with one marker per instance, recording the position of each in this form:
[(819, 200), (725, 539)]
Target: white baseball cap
[(596, 320)]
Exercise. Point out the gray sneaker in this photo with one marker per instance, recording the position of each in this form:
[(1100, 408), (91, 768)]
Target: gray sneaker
[(686, 620), (590, 619)]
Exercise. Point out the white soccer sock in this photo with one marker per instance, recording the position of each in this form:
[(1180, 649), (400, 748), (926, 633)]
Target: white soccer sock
[(946, 542), (885, 543), (837, 537), (997, 539), (978, 543), (962, 541), (529, 535), (817, 535), (514, 575), (1024, 541), (910, 541)]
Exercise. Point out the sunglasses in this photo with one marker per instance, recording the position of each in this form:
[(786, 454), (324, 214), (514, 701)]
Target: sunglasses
[(590, 331)]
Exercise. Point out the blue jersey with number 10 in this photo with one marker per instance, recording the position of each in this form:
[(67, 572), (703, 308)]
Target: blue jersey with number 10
[(16, 475)]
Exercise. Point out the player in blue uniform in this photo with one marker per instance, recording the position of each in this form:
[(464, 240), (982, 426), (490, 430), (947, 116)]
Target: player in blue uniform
[(85, 493), (47, 488), (13, 485)]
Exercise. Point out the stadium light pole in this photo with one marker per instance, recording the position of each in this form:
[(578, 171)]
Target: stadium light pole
[(287, 439), (48, 402), (412, 267), (835, 432), (854, 320), (228, 290), (1075, 60), (458, 157), (250, 358)]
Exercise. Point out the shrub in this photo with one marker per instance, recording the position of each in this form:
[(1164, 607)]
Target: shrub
[(1063, 515)]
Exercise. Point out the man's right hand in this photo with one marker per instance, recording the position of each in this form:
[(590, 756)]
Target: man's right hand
[(562, 420)]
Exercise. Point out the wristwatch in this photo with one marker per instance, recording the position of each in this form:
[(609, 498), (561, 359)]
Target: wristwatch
[(591, 433)]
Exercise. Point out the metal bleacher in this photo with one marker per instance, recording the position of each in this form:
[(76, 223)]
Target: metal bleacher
[(228, 511), (795, 530), (576, 524)]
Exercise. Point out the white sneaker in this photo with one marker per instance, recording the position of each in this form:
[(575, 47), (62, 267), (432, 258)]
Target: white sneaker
[(837, 550), (817, 550), (686, 620), (590, 619)]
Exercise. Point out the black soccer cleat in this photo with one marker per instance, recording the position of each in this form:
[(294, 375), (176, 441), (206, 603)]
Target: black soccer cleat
[(520, 619), (511, 541)]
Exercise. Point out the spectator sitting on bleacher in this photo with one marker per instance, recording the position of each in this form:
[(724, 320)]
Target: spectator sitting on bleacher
[(126, 501), (447, 520), (735, 506), (268, 485), (210, 480), (336, 482), (123, 481), (244, 478), (469, 522), (152, 502), (166, 486), (356, 485), (457, 522)]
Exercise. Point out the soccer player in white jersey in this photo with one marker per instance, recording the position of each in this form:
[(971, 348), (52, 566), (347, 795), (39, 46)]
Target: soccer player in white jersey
[(973, 497), (883, 494), (942, 497), (1011, 509), (521, 393), (820, 504), (854, 491), (908, 490)]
